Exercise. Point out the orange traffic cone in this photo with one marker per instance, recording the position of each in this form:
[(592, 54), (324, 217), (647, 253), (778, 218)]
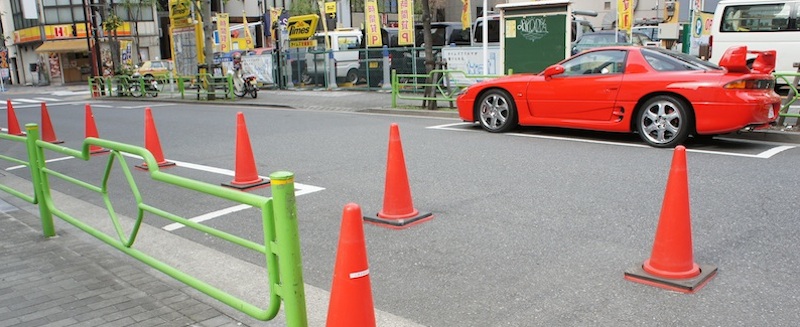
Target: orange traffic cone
[(13, 124), (151, 141), (398, 209), (671, 264), (91, 131), (351, 293), (245, 175), (48, 134)]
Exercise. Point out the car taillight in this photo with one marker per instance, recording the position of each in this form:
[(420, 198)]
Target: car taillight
[(751, 84)]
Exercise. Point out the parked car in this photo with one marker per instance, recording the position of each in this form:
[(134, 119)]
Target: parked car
[(345, 46), (662, 95), (606, 38), (155, 68)]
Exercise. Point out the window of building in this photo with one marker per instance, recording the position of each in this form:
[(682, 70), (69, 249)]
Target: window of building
[(19, 21)]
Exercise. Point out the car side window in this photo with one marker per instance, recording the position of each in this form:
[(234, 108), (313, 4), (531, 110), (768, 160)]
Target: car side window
[(664, 63), (596, 63), (156, 64)]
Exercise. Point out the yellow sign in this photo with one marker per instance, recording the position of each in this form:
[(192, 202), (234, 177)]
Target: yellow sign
[(179, 9), (303, 44), (224, 32), (405, 13), (248, 37), (330, 7), (302, 27), (27, 35), (625, 15), (466, 14), (373, 23)]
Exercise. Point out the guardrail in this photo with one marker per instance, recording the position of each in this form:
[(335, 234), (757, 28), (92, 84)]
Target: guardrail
[(136, 86), (281, 245), (446, 84), (793, 95)]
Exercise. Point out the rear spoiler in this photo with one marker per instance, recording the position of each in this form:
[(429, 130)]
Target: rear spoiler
[(735, 60)]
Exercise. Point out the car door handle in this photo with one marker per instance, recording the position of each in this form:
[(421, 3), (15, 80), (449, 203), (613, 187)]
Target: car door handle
[(612, 89)]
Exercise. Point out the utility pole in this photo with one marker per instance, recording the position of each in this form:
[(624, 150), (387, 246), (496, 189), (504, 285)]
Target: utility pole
[(208, 47)]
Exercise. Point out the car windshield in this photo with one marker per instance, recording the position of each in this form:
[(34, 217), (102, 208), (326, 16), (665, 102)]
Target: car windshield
[(666, 60)]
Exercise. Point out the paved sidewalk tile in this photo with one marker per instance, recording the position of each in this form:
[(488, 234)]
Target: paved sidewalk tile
[(67, 281)]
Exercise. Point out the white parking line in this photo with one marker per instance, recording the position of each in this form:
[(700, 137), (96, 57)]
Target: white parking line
[(208, 216), (299, 189), (763, 155)]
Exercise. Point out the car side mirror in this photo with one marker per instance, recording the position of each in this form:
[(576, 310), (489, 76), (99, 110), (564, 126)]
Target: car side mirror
[(549, 72)]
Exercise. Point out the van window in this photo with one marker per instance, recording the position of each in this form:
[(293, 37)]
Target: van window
[(348, 42), (494, 31), (760, 17)]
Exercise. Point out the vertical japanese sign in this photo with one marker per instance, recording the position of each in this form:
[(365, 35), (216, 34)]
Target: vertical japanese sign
[(625, 13), (466, 15), (373, 24), (405, 32), (224, 31), (248, 37)]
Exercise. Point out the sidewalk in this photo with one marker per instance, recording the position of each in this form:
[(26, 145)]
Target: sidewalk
[(75, 280)]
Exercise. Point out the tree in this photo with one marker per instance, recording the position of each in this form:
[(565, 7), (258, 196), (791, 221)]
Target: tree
[(133, 9)]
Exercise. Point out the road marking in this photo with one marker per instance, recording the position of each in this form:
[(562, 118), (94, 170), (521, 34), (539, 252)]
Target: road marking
[(49, 104), (299, 189), (763, 155), (208, 216), (63, 93), (51, 160), (48, 99), (25, 101)]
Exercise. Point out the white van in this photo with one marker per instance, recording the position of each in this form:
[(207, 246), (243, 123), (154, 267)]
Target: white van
[(345, 45), (759, 25)]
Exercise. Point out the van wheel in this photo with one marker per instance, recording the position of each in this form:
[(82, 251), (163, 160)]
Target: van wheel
[(352, 76)]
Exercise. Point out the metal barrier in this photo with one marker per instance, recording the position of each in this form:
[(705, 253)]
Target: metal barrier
[(281, 245), (123, 86), (793, 95), (447, 85)]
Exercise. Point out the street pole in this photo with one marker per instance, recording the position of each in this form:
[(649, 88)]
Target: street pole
[(87, 16), (208, 48)]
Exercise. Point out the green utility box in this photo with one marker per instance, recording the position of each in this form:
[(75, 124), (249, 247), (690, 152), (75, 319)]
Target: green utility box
[(535, 35)]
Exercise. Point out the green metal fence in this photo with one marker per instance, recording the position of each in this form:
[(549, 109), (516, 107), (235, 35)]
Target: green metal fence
[(200, 86), (446, 85), (793, 95), (281, 244)]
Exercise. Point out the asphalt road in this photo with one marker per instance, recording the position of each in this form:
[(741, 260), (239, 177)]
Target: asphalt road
[(531, 228)]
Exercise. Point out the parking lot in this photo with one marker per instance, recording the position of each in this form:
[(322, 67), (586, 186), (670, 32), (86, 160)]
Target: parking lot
[(533, 227)]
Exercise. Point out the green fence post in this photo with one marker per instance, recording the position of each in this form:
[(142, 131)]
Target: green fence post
[(36, 162), (395, 86), (288, 247)]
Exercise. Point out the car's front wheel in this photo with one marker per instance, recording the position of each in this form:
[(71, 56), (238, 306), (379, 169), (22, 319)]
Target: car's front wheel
[(664, 122), (497, 111)]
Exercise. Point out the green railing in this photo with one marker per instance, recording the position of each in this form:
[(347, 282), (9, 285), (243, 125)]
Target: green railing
[(446, 85), (793, 94), (202, 85), (281, 245)]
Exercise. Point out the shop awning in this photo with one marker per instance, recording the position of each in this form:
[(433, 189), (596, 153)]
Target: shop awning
[(64, 46)]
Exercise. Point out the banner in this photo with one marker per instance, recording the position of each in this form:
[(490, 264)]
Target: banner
[(224, 30), (625, 13), (405, 32), (248, 37), (466, 15), (373, 24)]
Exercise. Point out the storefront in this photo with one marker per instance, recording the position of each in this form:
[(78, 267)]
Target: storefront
[(68, 61)]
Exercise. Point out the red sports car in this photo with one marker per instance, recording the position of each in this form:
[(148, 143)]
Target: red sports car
[(662, 95)]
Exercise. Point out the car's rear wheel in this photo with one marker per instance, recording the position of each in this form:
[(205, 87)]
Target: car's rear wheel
[(664, 122), (497, 111)]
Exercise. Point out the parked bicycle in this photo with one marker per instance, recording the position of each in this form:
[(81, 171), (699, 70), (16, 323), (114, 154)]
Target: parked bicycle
[(149, 83)]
